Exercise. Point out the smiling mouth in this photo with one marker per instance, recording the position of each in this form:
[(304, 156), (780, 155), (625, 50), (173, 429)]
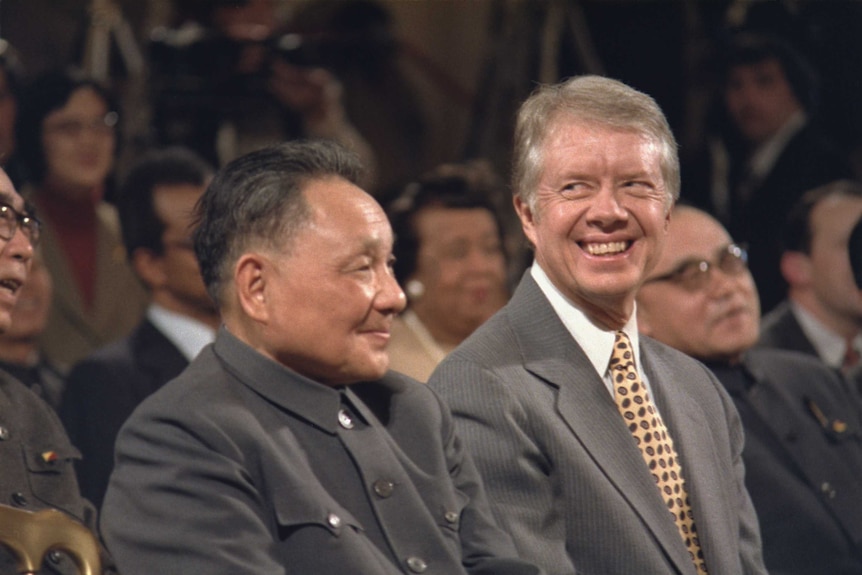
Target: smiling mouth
[(10, 285), (606, 248)]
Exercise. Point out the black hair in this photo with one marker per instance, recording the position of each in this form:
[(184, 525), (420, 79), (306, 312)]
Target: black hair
[(141, 226), (747, 48), (798, 234), (438, 189), (258, 198), (50, 91)]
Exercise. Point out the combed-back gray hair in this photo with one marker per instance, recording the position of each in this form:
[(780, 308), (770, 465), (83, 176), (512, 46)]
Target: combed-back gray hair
[(257, 200), (592, 99)]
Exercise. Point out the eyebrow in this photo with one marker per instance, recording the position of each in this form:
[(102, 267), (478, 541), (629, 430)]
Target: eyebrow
[(9, 198)]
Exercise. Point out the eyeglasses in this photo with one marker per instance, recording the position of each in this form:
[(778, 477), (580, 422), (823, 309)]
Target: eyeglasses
[(694, 275), (11, 219), (74, 128)]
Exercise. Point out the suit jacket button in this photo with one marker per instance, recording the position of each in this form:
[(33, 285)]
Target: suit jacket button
[(384, 488), (451, 516), (333, 520), (19, 499), (416, 564), (345, 419), (4, 433)]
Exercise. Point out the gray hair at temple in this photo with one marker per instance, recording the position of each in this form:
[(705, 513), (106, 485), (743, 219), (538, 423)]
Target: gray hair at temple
[(256, 202), (592, 99)]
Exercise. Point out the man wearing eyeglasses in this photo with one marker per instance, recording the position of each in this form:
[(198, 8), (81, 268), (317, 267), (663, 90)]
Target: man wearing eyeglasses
[(36, 456), (803, 449)]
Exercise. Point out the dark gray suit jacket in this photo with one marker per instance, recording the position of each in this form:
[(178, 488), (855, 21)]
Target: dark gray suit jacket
[(779, 329), (104, 389), (562, 471), (803, 460), (241, 466)]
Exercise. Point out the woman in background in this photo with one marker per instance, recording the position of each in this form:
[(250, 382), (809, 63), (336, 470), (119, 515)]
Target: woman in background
[(450, 259), (67, 139)]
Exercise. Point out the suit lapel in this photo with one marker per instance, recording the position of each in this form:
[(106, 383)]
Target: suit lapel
[(586, 407), (773, 402), (697, 451), (155, 356), (787, 331)]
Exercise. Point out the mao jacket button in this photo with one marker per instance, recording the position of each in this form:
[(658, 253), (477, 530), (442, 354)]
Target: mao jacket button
[(345, 419), (384, 488)]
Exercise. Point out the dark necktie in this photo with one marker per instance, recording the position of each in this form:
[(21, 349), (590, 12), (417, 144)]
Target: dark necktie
[(654, 442), (851, 357)]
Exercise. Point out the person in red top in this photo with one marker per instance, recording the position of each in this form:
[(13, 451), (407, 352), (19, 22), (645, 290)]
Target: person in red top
[(67, 138)]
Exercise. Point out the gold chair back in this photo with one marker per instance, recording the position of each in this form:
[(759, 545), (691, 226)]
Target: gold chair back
[(31, 535)]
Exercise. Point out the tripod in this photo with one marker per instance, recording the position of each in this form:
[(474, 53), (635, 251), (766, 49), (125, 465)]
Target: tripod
[(106, 20)]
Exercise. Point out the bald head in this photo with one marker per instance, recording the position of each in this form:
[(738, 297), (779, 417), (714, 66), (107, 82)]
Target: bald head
[(701, 298)]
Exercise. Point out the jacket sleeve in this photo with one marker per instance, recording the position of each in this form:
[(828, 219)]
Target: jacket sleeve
[(181, 501), (486, 548), (515, 471)]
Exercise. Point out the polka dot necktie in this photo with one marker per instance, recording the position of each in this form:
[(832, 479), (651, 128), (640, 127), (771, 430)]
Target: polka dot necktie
[(654, 442)]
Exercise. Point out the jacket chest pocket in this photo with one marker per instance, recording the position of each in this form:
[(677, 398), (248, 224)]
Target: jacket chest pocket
[(299, 509), (51, 479)]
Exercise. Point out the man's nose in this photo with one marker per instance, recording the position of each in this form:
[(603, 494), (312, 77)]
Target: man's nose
[(391, 297), (20, 246)]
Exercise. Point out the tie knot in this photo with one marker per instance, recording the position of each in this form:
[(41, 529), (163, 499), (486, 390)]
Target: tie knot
[(622, 356)]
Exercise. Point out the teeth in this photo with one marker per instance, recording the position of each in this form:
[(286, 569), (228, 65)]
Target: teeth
[(606, 248)]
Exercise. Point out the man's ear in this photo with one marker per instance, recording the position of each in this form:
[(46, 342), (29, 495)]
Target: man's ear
[(527, 217), (796, 268), (250, 279), (149, 267)]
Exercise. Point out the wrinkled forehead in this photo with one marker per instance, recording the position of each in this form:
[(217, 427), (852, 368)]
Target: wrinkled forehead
[(693, 235)]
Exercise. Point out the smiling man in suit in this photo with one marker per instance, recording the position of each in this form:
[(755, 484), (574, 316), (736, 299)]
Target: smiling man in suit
[(156, 205), (549, 393)]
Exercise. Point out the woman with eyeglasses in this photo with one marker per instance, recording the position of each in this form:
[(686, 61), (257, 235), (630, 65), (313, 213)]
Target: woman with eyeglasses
[(67, 138), (450, 259)]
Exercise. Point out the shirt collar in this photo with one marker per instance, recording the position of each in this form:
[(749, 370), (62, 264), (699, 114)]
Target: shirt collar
[(829, 345), (766, 154), (596, 342), (189, 335)]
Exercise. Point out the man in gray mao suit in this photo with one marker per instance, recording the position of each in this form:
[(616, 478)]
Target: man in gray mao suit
[(596, 174), (285, 447)]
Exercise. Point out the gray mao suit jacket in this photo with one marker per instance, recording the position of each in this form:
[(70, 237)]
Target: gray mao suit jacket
[(563, 473), (242, 466)]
